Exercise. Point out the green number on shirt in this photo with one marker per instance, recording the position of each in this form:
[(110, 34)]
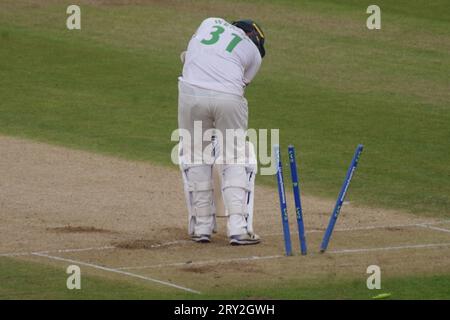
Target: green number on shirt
[(215, 36), (233, 43)]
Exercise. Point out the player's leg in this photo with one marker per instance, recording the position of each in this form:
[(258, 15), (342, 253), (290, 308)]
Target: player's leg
[(238, 173), (200, 201), (197, 175)]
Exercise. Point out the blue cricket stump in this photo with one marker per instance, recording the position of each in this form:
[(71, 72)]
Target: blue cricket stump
[(340, 199), (283, 207), (298, 203)]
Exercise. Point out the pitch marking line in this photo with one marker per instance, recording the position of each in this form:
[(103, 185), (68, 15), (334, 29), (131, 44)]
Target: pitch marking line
[(17, 254), (196, 263), (418, 246), (77, 262), (434, 228), (259, 258), (165, 244), (425, 224), (69, 250)]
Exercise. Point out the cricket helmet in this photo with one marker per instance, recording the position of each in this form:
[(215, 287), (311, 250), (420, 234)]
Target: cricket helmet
[(254, 32)]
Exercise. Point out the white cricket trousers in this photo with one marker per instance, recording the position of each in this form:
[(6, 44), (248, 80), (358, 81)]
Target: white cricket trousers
[(218, 111)]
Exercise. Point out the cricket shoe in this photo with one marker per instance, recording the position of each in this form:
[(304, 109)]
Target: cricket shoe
[(201, 238), (244, 239)]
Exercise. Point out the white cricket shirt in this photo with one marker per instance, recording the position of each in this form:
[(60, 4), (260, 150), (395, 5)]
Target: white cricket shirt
[(220, 57)]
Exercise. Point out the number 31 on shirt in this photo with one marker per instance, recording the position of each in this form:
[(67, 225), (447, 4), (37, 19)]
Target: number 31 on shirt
[(215, 36)]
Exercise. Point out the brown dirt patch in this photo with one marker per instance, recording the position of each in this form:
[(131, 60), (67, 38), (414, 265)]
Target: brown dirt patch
[(199, 269), (78, 229), (394, 229), (223, 268)]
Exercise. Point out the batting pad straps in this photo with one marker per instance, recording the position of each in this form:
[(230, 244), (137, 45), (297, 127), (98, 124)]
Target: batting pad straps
[(200, 186), (238, 210), (197, 188), (241, 210), (204, 211), (236, 183)]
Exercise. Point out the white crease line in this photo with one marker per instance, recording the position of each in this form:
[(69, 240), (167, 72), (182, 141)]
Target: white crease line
[(434, 228), (187, 264), (439, 222), (117, 271), (259, 258), (370, 227), (16, 254), (164, 244), (77, 250), (158, 245), (418, 246), (425, 224)]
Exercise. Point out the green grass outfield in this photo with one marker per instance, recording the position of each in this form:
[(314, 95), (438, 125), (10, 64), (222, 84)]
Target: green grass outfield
[(327, 82), (25, 280)]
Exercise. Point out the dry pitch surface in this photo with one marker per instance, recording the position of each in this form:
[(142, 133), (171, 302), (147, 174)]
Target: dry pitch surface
[(123, 219)]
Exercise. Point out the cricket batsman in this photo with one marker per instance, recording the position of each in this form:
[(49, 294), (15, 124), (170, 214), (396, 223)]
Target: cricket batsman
[(221, 59)]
